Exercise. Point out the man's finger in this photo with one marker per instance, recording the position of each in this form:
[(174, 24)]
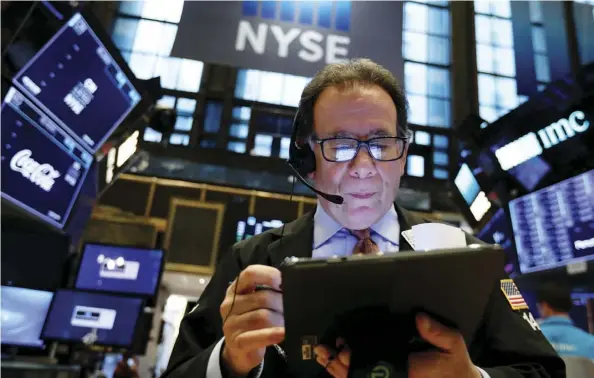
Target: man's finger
[(335, 365), (345, 356), (264, 299), (254, 320), (437, 334), (260, 338), (256, 275)]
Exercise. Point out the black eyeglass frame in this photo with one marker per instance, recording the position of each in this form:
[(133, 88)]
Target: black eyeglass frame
[(359, 143)]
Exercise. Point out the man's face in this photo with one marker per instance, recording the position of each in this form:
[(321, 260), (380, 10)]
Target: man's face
[(369, 187)]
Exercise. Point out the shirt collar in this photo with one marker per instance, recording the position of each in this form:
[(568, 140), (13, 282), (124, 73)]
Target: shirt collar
[(325, 227), (557, 320)]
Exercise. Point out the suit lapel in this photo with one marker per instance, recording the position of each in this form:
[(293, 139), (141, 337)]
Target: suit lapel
[(296, 240)]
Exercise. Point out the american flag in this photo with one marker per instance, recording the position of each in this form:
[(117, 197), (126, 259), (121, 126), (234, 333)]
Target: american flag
[(513, 295)]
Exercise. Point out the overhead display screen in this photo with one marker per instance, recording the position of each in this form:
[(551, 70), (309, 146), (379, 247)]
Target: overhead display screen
[(23, 315), (119, 269), (75, 80), (471, 191), (555, 225), (108, 319), (43, 168)]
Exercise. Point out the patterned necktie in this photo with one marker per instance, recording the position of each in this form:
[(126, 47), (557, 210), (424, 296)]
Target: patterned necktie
[(365, 245)]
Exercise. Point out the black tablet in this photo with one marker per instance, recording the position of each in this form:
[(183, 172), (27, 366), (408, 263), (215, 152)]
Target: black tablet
[(364, 298)]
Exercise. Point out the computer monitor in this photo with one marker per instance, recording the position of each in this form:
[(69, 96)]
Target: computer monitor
[(23, 315), (498, 230), (78, 315), (252, 226), (76, 81), (43, 168), (471, 192), (120, 269), (579, 311), (554, 226)]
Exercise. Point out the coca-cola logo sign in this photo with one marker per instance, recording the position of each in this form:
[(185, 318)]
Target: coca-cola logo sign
[(42, 175)]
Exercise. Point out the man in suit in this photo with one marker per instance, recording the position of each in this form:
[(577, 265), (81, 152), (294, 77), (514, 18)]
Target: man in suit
[(350, 138)]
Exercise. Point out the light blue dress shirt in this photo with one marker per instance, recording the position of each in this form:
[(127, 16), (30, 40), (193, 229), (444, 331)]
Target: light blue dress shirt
[(566, 338), (331, 239)]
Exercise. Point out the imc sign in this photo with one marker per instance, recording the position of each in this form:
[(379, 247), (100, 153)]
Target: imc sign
[(295, 37), (534, 144)]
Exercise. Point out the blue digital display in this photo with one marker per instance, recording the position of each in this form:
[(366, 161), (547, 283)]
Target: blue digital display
[(252, 227), (119, 269), (23, 315), (499, 231), (554, 226), (105, 319), (467, 184), (43, 168), (75, 80)]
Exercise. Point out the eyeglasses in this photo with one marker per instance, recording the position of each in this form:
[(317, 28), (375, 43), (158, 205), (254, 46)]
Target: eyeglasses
[(345, 149)]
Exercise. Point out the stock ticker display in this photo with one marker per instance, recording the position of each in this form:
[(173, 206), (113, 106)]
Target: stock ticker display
[(253, 226), (43, 168), (76, 81), (554, 226)]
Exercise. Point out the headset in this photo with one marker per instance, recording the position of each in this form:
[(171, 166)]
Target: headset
[(301, 157)]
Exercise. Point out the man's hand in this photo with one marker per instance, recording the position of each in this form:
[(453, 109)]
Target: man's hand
[(253, 319), (452, 360)]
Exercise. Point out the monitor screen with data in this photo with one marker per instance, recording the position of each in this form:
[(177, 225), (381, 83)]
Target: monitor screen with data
[(43, 168), (119, 269), (76, 81), (252, 226), (554, 226), (23, 315), (106, 319)]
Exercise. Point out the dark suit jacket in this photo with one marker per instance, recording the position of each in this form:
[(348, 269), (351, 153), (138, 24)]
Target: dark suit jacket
[(505, 345)]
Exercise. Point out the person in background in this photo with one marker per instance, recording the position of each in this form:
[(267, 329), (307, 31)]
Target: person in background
[(554, 304), (127, 367)]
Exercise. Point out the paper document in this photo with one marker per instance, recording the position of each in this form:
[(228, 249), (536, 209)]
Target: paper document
[(428, 236)]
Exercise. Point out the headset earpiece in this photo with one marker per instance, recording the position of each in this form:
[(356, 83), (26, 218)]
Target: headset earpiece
[(301, 156)]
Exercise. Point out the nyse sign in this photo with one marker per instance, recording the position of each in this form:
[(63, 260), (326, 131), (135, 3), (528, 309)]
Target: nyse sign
[(533, 144), (292, 37), (312, 47)]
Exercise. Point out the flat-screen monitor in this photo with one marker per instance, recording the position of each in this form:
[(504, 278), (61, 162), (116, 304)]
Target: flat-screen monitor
[(43, 168), (120, 269), (75, 80), (252, 226), (554, 226), (20, 247), (498, 230), (23, 315), (471, 192), (77, 315), (579, 311)]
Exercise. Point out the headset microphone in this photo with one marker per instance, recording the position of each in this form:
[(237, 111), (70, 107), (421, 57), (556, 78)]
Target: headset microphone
[(336, 199)]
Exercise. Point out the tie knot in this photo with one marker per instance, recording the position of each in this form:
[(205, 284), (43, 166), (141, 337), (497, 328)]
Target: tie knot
[(361, 234), (364, 244)]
